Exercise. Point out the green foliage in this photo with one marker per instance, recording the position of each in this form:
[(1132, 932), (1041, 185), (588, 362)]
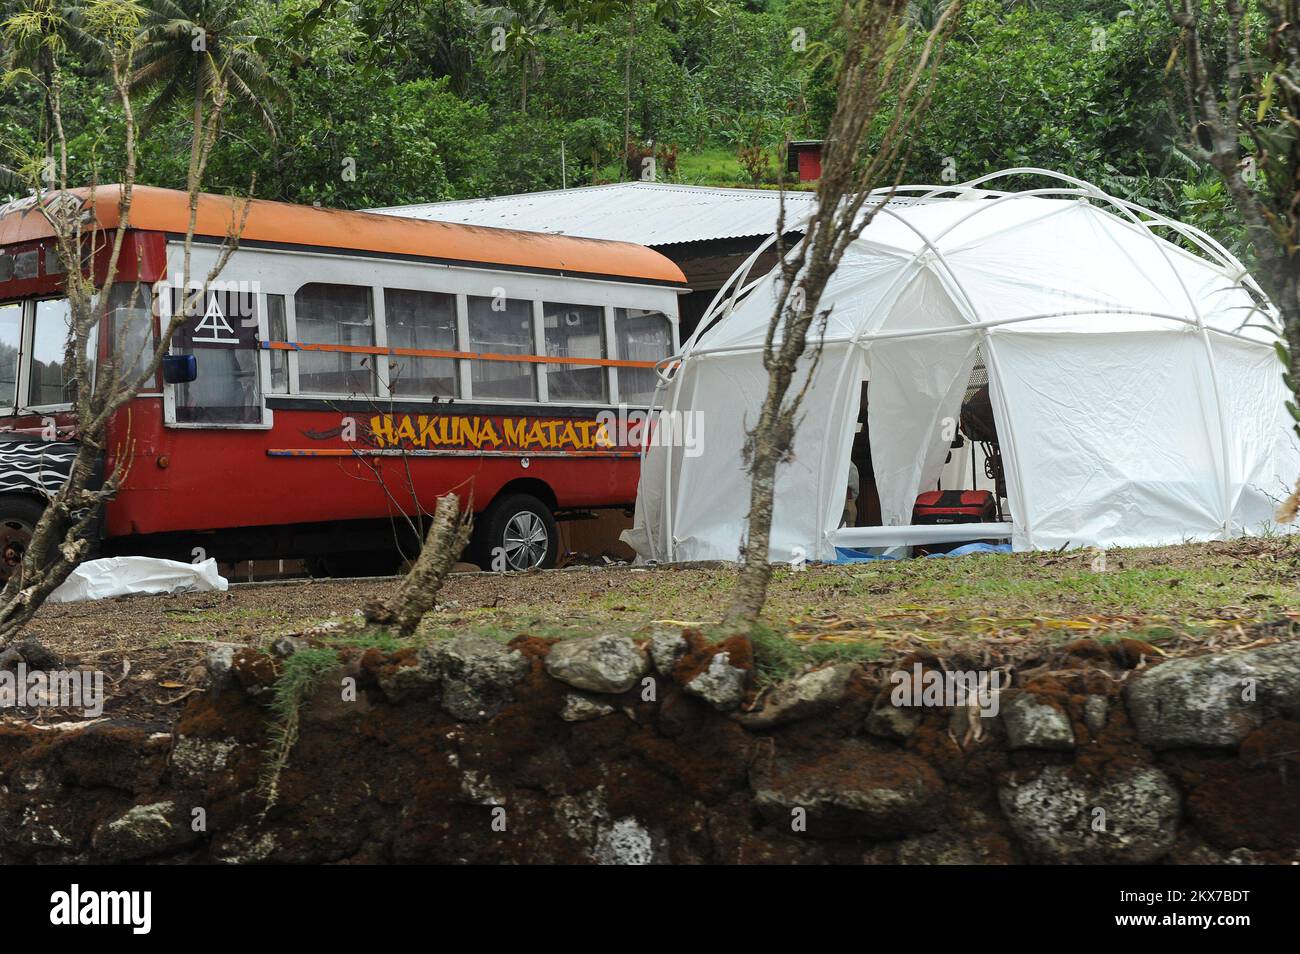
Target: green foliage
[(381, 102)]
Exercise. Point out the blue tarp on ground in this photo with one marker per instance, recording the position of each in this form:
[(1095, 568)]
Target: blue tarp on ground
[(967, 548), (847, 555)]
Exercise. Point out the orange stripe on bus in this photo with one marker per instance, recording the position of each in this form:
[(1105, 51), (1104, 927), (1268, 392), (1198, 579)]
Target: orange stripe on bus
[(436, 353)]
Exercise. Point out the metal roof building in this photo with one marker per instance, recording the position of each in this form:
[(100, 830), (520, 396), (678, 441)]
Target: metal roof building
[(648, 213)]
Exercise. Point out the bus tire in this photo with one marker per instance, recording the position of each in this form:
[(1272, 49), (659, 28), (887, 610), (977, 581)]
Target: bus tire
[(517, 532), (18, 516)]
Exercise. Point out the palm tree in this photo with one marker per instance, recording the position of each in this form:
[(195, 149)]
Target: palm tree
[(205, 51), (524, 21), (36, 33)]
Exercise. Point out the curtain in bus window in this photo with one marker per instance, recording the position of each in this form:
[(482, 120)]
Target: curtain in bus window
[(221, 332), (11, 326), (501, 326), (50, 381), (335, 315), (425, 320), (642, 336), (574, 331)]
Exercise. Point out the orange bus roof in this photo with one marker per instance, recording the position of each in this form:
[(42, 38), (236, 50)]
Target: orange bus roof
[(285, 224)]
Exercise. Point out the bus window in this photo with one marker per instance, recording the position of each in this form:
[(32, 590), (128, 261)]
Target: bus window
[(277, 330), (426, 320), (131, 307), (501, 326), (225, 391), (642, 336), (49, 381), (574, 331), (336, 315), (11, 326), (27, 264), (222, 336)]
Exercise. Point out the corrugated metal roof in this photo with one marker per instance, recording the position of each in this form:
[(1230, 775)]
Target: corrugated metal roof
[(649, 213)]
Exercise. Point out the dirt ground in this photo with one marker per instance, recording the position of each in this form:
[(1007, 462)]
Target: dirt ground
[(1194, 597)]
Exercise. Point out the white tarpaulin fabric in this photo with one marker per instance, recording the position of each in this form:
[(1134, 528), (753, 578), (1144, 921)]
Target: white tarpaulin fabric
[(1131, 370), (123, 576)]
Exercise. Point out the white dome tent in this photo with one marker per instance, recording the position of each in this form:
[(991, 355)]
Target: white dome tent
[(1136, 392)]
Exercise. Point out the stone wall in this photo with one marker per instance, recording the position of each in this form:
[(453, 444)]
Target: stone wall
[(607, 749)]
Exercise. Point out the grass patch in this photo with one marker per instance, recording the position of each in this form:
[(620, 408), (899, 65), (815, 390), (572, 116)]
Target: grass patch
[(778, 657), (299, 675), (717, 167), (827, 613)]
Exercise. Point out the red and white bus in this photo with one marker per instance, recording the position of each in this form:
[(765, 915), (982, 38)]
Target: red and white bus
[(351, 368)]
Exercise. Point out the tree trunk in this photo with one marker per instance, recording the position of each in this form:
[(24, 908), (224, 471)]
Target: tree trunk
[(627, 76), (418, 592), (750, 592)]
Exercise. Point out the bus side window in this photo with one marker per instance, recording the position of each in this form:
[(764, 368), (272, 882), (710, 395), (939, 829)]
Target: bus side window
[(221, 333), (426, 321), (642, 336), (277, 330), (574, 331), (501, 326), (130, 307), (11, 326), (49, 382), (335, 315)]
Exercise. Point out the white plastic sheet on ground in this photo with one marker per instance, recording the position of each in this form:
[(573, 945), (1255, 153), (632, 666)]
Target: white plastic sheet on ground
[(1133, 380), (123, 576)]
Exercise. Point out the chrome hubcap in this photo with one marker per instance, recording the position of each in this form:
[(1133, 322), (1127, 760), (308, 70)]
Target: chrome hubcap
[(525, 541)]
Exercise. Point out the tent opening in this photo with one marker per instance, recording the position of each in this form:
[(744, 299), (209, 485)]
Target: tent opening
[(971, 487)]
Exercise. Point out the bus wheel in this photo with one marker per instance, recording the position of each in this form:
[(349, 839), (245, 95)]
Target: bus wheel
[(18, 516), (516, 533)]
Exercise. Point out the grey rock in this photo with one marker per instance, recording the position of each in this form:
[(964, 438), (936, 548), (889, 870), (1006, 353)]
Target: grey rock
[(893, 722), (143, 831), (409, 682), (195, 760), (220, 662), (938, 848), (286, 646), (1201, 701), (1095, 711), (722, 685), (1034, 724), (1057, 817), (477, 674), (666, 648), (608, 663), (245, 845), (625, 842), (853, 790), (808, 695), (578, 708)]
